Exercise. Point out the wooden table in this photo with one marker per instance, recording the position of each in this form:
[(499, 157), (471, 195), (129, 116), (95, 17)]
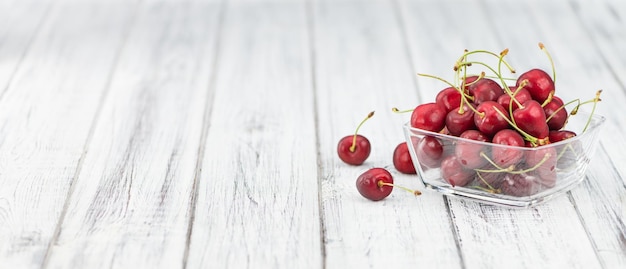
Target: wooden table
[(202, 134)]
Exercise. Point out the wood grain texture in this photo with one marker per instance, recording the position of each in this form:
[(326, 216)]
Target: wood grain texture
[(257, 203), (19, 24), (362, 65), (45, 117), (522, 238), (130, 203)]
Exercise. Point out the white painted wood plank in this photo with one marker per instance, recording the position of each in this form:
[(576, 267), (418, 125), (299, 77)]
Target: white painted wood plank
[(45, 118), (550, 235), (258, 195), (19, 23), (362, 65), (130, 204)]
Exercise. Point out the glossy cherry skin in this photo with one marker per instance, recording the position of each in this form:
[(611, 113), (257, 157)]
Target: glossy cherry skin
[(458, 121), (485, 90), (454, 173), (468, 82), (521, 96), (488, 120), (555, 106), (368, 186), (544, 161), (429, 152), (429, 117), (468, 153), (540, 84), (532, 119), (361, 151), (556, 136), (449, 98), (505, 156), (402, 159)]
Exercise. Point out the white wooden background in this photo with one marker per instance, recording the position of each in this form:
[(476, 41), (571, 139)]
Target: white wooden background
[(202, 134)]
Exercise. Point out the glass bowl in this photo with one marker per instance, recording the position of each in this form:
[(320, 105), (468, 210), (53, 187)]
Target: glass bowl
[(518, 177)]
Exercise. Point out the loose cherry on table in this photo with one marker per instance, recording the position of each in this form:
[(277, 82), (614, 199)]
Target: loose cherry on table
[(377, 183), (355, 149), (402, 159)]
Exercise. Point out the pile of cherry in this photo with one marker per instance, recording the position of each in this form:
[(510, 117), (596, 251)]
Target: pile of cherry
[(516, 112)]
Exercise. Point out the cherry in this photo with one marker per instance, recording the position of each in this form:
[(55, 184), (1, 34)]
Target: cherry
[(531, 119), (555, 112), (485, 90), (402, 159), (505, 156), (540, 85), (542, 162), (429, 152), (429, 117), (490, 118), (450, 98), (521, 96), (556, 136), (519, 185), (468, 81), (459, 120), (470, 154), (354, 149), (454, 173), (377, 183)]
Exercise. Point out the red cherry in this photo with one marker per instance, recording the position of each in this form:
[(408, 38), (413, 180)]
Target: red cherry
[(429, 117), (377, 183), (468, 81), (450, 98), (488, 120), (458, 121), (556, 136), (402, 159), (371, 185), (521, 96), (485, 90), (542, 162), (429, 152), (505, 157), (454, 173), (531, 119), (519, 185), (556, 114), (355, 149), (468, 153), (539, 84)]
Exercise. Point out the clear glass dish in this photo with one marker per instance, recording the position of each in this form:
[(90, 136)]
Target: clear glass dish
[(529, 177)]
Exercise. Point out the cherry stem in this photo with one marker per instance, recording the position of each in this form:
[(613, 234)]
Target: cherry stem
[(491, 188), (511, 169), (593, 109), (353, 146), (543, 48), (492, 70), (549, 99), (381, 183), (533, 140), (396, 110), (467, 53)]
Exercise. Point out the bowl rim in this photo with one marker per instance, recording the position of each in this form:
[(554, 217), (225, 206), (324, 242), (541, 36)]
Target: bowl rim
[(596, 122)]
